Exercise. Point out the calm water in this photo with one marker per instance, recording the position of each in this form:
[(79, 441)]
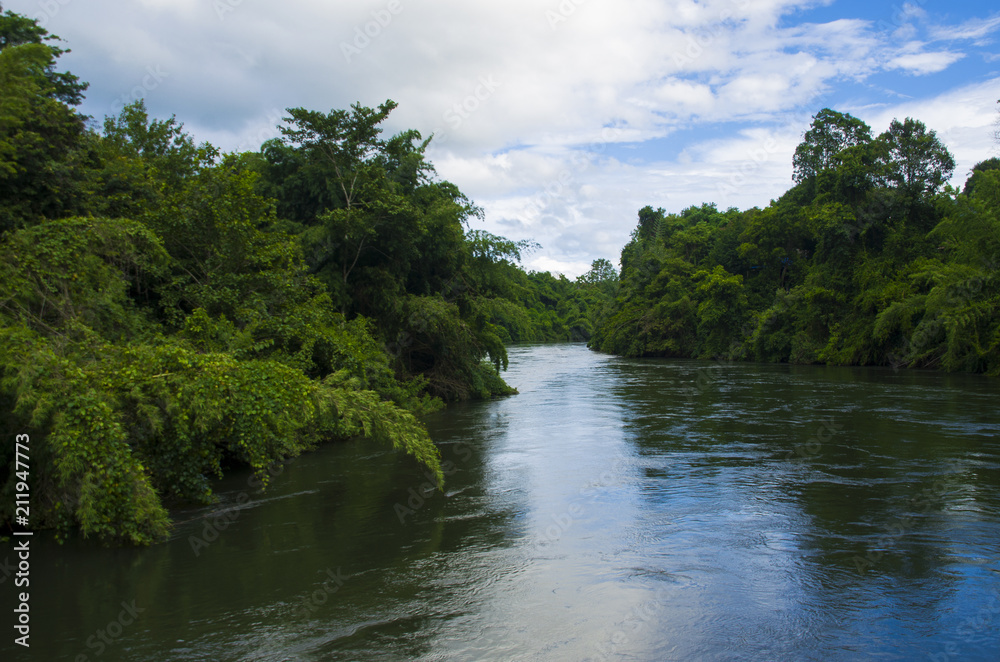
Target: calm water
[(615, 509)]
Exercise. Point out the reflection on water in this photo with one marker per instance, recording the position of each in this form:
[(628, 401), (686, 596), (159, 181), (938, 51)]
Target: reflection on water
[(615, 509)]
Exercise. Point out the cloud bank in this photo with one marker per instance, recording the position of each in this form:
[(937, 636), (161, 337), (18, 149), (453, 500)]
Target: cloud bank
[(560, 118)]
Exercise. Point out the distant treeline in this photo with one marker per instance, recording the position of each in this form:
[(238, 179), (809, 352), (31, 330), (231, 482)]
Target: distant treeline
[(168, 311), (869, 259)]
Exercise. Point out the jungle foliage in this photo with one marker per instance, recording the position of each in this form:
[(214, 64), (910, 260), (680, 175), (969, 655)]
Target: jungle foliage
[(869, 259), (168, 311)]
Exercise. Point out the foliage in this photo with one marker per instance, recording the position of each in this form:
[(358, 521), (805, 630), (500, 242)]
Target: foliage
[(40, 135), (167, 312), (393, 245), (831, 133), (864, 261)]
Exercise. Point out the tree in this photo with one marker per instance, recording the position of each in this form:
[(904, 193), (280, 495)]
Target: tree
[(162, 144), (915, 161), (830, 133), (975, 177), (17, 30), (140, 164), (342, 146), (650, 221), (602, 273), (348, 169), (390, 244), (40, 134)]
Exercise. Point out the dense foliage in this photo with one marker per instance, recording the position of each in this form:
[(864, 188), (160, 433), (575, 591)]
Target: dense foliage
[(167, 311), (870, 259)]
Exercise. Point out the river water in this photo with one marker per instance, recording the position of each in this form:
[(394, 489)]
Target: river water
[(615, 509)]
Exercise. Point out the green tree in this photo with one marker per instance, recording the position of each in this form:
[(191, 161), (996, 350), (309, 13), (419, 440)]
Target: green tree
[(40, 134), (863, 261), (830, 133), (18, 30), (391, 244), (601, 274), (982, 166), (915, 161)]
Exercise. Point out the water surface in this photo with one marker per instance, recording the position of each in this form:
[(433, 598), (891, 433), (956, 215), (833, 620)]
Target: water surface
[(615, 509)]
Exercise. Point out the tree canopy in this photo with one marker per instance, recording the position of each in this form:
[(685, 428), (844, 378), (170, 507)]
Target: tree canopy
[(831, 133), (168, 311), (870, 259)]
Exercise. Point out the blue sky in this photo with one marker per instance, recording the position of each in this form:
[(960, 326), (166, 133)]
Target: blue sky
[(561, 118)]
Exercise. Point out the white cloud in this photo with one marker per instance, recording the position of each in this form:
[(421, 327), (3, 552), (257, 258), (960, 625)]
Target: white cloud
[(973, 29), (744, 170), (560, 73), (921, 64), (963, 119)]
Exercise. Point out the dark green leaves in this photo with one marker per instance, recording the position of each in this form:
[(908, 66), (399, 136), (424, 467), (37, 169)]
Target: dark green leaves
[(865, 261), (831, 132), (914, 160)]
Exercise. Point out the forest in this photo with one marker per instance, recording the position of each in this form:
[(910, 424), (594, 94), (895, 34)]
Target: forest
[(169, 312), (869, 259)]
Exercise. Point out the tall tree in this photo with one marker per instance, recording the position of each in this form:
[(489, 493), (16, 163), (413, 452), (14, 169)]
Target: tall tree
[(602, 273), (341, 144), (830, 133), (916, 162), (40, 134), (18, 30)]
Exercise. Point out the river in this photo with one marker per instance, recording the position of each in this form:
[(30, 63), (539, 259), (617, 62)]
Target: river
[(615, 509)]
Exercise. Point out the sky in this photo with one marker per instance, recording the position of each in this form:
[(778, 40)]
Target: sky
[(559, 118)]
